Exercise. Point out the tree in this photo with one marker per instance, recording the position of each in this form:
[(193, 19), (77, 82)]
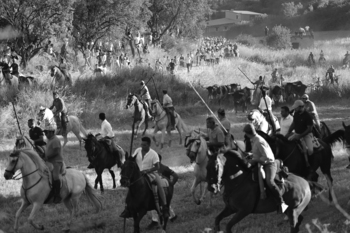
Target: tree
[(37, 21), (94, 20), (279, 38), (289, 9), (184, 17)]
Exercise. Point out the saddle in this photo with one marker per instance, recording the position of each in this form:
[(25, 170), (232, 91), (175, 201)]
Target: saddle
[(317, 146), (281, 173), (165, 187)]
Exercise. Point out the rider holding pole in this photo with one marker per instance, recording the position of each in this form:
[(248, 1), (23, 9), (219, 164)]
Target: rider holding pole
[(169, 109), (146, 97), (266, 107)]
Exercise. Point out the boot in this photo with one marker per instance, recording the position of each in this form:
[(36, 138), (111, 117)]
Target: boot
[(57, 188), (90, 166), (165, 211), (126, 213)]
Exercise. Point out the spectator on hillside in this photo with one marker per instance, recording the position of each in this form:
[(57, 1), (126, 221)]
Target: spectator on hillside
[(266, 31), (189, 62)]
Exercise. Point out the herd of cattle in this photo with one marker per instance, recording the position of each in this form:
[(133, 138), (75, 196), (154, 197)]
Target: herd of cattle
[(287, 92)]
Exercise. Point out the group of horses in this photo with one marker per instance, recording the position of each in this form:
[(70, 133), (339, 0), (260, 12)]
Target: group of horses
[(19, 81), (242, 190), (243, 97)]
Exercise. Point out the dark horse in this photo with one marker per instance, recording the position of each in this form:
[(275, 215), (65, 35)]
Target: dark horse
[(101, 158), (140, 198), (140, 115), (290, 152), (242, 194)]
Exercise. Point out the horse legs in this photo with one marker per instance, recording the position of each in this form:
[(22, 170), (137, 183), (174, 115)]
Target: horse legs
[(224, 213), (146, 127), (193, 191), (235, 219), (169, 135), (137, 219), (154, 135), (113, 177), (36, 207), (179, 131), (65, 139), (24, 205), (99, 172), (68, 203)]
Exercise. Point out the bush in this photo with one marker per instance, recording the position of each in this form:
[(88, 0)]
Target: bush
[(289, 9), (247, 40), (279, 38)]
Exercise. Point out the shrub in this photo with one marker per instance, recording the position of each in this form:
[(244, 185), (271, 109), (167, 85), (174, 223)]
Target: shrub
[(247, 40), (279, 38), (289, 9)]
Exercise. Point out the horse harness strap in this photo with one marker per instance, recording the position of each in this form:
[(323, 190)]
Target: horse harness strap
[(26, 189), (236, 175), (290, 154)]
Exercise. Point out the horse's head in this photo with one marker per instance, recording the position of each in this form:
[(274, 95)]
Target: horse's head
[(91, 145), (20, 143), (130, 100), (255, 117), (129, 172), (347, 134), (232, 166), (14, 164), (155, 107)]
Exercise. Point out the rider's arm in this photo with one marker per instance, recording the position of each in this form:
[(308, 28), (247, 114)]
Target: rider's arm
[(155, 168), (307, 131), (174, 177), (220, 139), (291, 128)]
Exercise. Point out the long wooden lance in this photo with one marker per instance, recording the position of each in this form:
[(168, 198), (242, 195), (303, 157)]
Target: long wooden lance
[(19, 127)]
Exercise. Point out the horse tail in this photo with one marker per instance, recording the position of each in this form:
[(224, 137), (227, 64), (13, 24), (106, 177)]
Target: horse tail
[(92, 195), (82, 129), (337, 136)]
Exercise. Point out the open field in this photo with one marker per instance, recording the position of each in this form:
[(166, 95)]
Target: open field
[(191, 218)]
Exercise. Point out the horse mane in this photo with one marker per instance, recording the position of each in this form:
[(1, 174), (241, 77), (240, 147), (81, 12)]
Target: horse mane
[(39, 162), (267, 138), (235, 155), (326, 127), (282, 138)]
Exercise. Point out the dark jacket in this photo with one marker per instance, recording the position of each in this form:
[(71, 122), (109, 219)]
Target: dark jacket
[(58, 103)]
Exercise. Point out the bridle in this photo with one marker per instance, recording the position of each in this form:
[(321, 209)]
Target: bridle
[(15, 177), (132, 172), (154, 114)]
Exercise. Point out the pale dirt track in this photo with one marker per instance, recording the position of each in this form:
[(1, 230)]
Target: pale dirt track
[(191, 218)]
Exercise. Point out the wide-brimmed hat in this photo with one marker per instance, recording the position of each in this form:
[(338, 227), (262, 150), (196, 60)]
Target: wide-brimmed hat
[(297, 104), (305, 96)]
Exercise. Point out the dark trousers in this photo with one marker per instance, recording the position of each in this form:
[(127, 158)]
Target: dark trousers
[(170, 113), (270, 171), (63, 120)]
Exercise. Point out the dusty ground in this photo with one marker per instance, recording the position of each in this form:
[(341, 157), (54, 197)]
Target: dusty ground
[(191, 218)]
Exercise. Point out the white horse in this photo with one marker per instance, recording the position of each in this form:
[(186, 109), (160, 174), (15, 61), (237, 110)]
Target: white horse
[(73, 125), (36, 187), (161, 123), (197, 151)]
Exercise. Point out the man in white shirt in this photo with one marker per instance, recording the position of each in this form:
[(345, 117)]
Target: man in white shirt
[(169, 109), (106, 135), (265, 106), (148, 163), (286, 120)]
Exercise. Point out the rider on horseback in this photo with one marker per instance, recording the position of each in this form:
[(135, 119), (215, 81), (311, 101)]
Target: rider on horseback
[(263, 155), (266, 107), (311, 59), (146, 97), (37, 135), (148, 162), (331, 74), (227, 125), (302, 124), (311, 109), (53, 155), (107, 135), (60, 112), (63, 68), (169, 109)]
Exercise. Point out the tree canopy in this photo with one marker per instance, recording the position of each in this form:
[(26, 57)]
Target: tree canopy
[(37, 20)]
